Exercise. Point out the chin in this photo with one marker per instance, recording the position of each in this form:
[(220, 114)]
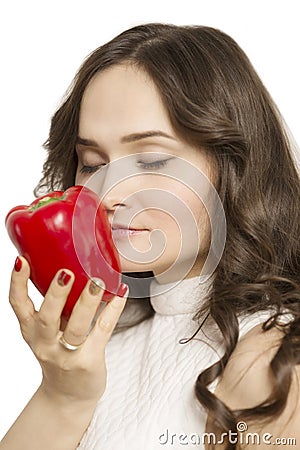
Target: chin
[(130, 267)]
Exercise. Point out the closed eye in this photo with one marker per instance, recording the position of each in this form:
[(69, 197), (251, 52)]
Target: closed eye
[(145, 166), (91, 169), (153, 164)]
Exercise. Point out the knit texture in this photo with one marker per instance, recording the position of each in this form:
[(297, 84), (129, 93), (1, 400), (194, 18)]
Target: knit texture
[(149, 402)]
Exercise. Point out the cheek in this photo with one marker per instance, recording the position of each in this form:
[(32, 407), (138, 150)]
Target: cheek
[(193, 220), (202, 221), (189, 205), (177, 210), (165, 236), (160, 219)]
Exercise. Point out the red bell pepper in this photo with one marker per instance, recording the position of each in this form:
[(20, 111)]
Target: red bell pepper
[(70, 230)]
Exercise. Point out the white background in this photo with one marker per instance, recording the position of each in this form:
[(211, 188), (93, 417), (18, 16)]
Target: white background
[(42, 45)]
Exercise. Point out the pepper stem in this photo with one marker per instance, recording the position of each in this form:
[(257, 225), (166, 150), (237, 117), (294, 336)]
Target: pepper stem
[(45, 201)]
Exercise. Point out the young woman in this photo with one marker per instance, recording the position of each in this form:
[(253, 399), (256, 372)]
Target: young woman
[(206, 351)]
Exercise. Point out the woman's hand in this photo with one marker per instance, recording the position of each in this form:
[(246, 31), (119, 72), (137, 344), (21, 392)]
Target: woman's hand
[(68, 376)]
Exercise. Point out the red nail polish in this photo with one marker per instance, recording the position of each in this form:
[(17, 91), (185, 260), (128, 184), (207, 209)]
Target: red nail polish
[(63, 278), (18, 264), (123, 290)]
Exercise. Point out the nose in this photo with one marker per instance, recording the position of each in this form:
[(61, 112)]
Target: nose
[(112, 201), (116, 184), (112, 189)]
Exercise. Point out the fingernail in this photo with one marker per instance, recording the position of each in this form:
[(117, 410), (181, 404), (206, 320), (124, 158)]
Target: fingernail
[(123, 290), (18, 264), (95, 286), (63, 278)]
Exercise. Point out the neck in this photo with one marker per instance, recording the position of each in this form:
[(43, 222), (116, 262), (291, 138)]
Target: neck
[(187, 269), (179, 297)]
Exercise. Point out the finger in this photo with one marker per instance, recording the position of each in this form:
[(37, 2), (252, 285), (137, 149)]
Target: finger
[(18, 292), (109, 317), (84, 311), (48, 317)]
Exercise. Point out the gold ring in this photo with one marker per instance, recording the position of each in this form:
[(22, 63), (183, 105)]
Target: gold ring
[(68, 346)]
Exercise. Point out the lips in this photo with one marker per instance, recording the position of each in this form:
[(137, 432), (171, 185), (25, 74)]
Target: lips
[(118, 226), (123, 231)]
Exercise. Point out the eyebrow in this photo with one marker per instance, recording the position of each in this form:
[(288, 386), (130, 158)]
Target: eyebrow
[(133, 137), (144, 135)]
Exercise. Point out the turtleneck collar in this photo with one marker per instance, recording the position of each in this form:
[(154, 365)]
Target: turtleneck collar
[(179, 297)]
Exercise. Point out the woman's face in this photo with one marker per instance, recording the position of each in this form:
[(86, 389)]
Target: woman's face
[(130, 154)]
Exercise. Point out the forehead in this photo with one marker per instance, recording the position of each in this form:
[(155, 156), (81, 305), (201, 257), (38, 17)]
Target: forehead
[(122, 94)]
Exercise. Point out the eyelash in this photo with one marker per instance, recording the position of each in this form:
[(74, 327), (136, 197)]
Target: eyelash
[(154, 164), (145, 166), (89, 169)]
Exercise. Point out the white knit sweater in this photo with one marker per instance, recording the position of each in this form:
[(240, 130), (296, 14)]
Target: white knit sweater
[(149, 402)]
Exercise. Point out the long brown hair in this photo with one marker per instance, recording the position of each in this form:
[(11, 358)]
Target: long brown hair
[(216, 101)]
